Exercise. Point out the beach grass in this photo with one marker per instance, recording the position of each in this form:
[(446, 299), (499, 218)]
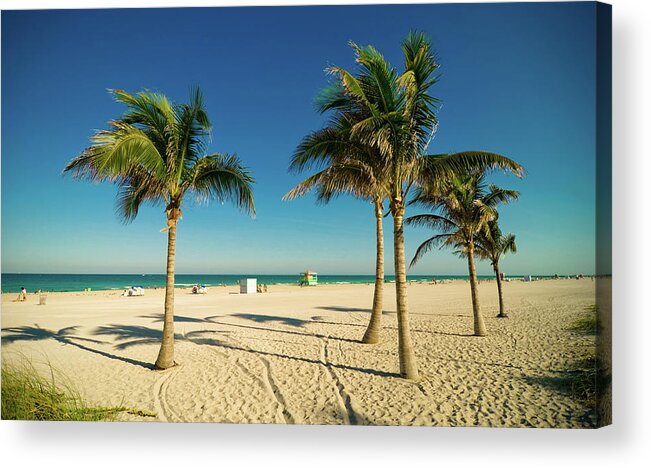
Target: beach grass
[(27, 395), (588, 323), (587, 376), (583, 381)]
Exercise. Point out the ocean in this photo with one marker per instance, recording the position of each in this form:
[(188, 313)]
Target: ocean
[(12, 282)]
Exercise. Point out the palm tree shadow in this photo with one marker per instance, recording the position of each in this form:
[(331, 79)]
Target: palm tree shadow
[(295, 322), (434, 332), (36, 333), (561, 384), (212, 318), (177, 318), (135, 335), (319, 319), (64, 336), (353, 309), (364, 370), (440, 315), (343, 309), (387, 327)]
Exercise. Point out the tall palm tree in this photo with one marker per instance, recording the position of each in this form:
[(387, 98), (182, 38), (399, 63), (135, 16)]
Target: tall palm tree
[(463, 207), (155, 154), (348, 166), (400, 122), (491, 244)]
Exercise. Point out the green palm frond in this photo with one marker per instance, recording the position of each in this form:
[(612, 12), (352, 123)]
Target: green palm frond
[(223, 178), (317, 149), (465, 208), (146, 108), (437, 167), (154, 153), (431, 221), (193, 128), (508, 244), (378, 79), (491, 244), (354, 177), (115, 152), (429, 244), (136, 189), (352, 87)]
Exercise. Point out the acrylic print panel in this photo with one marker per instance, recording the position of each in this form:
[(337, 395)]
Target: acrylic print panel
[(400, 219)]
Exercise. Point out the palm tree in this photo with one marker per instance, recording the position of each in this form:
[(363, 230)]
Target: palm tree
[(155, 154), (400, 122), (348, 165), (490, 245), (463, 206)]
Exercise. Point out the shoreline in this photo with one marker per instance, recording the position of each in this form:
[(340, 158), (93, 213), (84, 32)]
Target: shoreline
[(434, 279)]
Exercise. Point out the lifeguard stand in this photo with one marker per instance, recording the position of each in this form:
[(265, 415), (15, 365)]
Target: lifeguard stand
[(308, 278)]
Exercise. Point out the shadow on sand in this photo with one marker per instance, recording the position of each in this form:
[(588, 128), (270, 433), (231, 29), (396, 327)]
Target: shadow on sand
[(135, 335), (319, 319), (177, 318), (344, 309), (66, 337), (561, 383), (212, 319), (143, 335), (270, 319)]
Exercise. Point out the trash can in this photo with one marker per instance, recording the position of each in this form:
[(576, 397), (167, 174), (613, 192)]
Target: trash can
[(41, 299)]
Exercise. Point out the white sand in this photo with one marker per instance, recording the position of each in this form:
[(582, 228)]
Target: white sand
[(292, 355)]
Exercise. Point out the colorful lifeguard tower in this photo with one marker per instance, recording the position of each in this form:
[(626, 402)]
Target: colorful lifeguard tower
[(308, 278)]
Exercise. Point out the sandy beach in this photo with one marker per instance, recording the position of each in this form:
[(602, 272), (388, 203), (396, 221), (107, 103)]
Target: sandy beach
[(292, 355)]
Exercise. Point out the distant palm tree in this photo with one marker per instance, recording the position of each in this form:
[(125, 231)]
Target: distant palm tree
[(351, 166), (155, 154), (399, 121), (491, 244), (463, 207)]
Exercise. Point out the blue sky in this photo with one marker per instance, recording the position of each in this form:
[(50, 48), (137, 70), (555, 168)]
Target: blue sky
[(517, 79)]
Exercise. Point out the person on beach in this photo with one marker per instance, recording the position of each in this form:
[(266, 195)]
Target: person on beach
[(23, 294)]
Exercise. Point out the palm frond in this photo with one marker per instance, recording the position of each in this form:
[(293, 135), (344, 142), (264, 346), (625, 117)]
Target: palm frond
[(115, 152), (153, 153), (318, 148), (350, 176), (431, 221), (136, 189), (352, 87), (498, 195), (221, 177), (426, 246), (442, 166)]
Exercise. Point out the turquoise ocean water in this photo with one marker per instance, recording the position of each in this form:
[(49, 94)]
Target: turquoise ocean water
[(12, 282)]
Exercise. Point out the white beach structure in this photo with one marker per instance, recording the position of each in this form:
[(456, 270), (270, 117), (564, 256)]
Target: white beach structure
[(248, 286)]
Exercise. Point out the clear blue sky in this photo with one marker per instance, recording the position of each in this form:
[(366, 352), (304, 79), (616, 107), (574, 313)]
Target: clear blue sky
[(517, 79)]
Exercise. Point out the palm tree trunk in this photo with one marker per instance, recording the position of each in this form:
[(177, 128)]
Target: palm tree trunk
[(480, 328), (408, 365), (502, 314), (372, 334), (166, 354)]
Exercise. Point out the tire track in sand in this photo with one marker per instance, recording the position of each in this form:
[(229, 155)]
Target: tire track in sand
[(274, 390), (159, 392), (283, 415), (343, 398)]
